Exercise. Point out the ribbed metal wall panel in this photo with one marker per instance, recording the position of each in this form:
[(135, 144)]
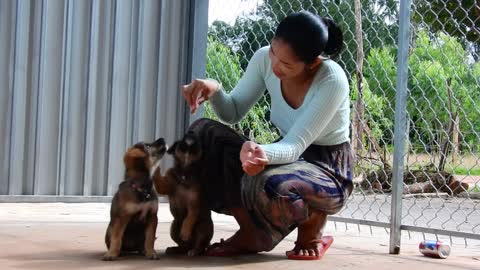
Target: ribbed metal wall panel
[(80, 81)]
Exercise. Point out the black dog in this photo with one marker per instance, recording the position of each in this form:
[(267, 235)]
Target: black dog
[(192, 227)]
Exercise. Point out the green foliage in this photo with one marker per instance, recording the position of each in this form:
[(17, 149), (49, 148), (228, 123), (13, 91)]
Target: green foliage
[(224, 66), (464, 171), (457, 18), (442, 84), (443, 76), (380, 75), (249, 33), (375, 107), (246, 36)]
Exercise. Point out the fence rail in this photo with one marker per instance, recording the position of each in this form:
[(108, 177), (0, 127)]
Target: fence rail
[(415, 110)]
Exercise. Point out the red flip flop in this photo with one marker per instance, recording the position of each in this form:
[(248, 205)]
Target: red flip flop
[(325, 241)]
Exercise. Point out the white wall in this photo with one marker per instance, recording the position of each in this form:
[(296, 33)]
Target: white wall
[(80, 81)]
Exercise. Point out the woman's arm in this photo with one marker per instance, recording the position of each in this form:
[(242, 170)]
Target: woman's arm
[(232, 107)]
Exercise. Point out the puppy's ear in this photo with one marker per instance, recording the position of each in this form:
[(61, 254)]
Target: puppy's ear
[(134, 159), (171, 149)]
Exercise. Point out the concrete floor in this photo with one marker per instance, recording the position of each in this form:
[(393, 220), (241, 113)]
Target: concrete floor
[(70, 236)]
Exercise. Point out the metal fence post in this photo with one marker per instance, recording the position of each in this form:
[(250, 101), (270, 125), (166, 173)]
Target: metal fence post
[(197, 49), (400, 127)]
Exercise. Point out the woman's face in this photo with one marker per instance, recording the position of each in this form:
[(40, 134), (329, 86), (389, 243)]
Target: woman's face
[(285, 63)]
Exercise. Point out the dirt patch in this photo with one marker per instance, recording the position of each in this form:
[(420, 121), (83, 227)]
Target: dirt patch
[(471, 180)]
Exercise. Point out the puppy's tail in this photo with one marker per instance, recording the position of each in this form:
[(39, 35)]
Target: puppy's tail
[(164, 185)]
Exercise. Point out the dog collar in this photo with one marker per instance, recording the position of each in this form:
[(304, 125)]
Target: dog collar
[(182, 177), (145, 193)]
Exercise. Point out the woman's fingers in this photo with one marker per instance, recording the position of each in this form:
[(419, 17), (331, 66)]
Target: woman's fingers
[(192, 93), (260, 161), (201, 100), (252, 171), (253, 158), (252, 168), (198, 91), (200, 97), (249, 146), (251, 163), (186, 93)]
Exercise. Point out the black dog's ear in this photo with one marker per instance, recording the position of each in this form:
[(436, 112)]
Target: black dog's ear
[(172, 148)]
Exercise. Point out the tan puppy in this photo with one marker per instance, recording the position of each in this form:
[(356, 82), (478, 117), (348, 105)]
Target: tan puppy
[(133, 213)]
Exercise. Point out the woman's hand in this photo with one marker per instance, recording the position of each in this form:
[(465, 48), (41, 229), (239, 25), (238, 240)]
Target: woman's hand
[(198, 91), (253, 158)]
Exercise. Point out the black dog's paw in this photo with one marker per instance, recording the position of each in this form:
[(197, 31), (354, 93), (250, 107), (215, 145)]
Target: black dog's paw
[(109, 257), (194, 252), (175, 250)]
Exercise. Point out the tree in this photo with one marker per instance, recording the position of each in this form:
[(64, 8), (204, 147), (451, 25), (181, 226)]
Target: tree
[(245, 37), (443, 79), (224, 66), (380, 76), (375, 123), (253, 31), (442, 85), (459, 19), (359, 110)]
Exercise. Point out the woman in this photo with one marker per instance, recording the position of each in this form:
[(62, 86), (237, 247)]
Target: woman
[(296, 182)]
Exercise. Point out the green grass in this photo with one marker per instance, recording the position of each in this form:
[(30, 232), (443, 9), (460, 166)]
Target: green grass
[(475, 189), (464, 171), (452, 170)]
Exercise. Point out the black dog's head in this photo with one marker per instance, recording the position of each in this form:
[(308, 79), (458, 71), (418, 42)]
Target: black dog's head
[(186, 151), (143, 156)]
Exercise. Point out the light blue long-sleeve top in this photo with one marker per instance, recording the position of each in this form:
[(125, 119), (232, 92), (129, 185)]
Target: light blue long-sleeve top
[(322, 119)]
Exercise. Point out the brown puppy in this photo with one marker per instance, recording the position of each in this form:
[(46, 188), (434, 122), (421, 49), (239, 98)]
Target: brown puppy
[(133, 213), (192, 227)]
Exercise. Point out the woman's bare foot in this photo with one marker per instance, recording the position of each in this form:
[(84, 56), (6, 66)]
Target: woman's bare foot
[(309, 237), (248, 239), (313, 250)]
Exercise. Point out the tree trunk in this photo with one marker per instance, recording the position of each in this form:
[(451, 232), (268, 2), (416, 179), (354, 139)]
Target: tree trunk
[(375, 144), (456, 146), (445, 147), (359, 110), (446, 144)]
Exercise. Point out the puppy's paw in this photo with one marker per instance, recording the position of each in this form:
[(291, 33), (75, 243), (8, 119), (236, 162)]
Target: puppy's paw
[(109, 257), (193, 252), (152, 255)]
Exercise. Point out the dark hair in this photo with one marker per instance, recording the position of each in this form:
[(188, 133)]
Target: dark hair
[(310, 35)]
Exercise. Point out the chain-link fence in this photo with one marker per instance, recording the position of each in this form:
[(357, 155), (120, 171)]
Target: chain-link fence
[(441, 190)]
